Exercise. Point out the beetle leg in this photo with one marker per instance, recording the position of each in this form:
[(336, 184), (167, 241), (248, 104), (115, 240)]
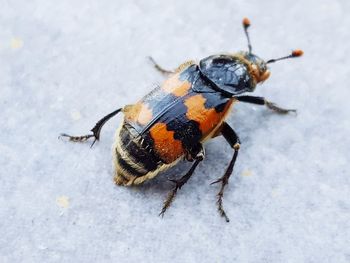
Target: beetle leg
[(274, 107), (180, 182), (263, 101), (96, 130), (159, 68), (168, 72), (232, 138)]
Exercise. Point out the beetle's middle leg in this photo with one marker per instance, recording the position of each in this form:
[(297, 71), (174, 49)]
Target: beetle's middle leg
[(180, 182), (167, 71), (263, 101), (232, 138)]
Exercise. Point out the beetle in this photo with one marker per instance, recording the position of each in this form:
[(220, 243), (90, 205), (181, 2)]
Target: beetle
[(174, 120)]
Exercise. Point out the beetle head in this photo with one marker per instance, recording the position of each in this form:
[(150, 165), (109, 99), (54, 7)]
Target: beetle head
[(257, 66)]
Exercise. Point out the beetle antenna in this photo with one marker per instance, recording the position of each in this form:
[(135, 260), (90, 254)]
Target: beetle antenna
[(246, 24), (295, 53)]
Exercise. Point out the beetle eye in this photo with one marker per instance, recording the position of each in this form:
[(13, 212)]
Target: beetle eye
[(262, 67)]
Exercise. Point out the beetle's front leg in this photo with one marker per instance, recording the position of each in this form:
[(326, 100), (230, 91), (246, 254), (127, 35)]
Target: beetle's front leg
[(263, 101), (160, 68), (232, 138), (180, 182)]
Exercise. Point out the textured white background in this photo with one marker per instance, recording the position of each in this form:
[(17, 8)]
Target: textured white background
[(65, 64)]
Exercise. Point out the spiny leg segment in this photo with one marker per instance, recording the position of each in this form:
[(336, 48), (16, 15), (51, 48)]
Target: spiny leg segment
[(96, 130), (180, 182), (232, 138)]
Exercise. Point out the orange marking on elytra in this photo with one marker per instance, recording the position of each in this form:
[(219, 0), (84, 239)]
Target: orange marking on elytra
[(208, 119), (139, 113), (168, 148), (176, 86)]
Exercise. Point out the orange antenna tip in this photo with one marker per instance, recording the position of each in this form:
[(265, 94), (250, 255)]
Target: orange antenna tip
[(297, 53), (246, 22)]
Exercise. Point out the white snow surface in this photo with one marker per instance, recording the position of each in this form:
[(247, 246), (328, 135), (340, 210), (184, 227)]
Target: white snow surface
[(65, 64)]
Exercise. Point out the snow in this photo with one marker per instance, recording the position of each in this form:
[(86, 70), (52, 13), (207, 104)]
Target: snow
[(65, 64)]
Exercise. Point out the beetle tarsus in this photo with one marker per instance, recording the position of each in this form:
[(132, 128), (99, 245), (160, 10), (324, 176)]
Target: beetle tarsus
[(178, 184), (224, 182), (171, 196), (219, 201), (274, 107), (82, 138)]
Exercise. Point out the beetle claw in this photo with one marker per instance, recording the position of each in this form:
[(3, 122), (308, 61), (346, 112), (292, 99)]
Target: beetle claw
[(217, 181)]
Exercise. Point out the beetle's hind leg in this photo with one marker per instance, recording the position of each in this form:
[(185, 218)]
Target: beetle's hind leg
[(96, 130), (180, 182), (232, 138)]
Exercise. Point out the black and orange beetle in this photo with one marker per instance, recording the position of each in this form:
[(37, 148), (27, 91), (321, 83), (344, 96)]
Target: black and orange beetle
[(174, 120)]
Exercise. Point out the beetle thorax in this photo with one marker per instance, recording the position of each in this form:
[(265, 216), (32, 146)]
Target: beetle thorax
[(230, 74)]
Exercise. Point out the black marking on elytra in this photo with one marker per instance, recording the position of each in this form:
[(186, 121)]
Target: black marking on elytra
[(159, 101), (140, 149), (214, 98), (185, 130), (220, 108), (159, 116), (188, 132)]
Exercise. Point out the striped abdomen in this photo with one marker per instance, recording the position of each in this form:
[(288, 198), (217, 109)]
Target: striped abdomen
[(134, 157)]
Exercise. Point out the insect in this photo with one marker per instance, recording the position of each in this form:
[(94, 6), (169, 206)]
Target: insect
[(173, 121)]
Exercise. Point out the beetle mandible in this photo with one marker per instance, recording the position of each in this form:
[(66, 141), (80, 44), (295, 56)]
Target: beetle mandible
[(174, 120)]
